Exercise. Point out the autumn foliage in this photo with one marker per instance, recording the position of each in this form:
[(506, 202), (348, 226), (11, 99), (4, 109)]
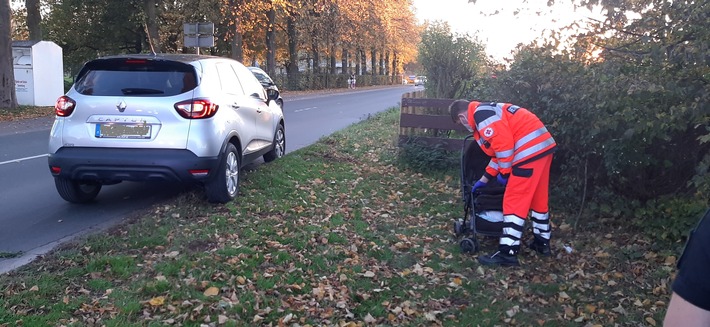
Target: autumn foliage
[(318, 36)]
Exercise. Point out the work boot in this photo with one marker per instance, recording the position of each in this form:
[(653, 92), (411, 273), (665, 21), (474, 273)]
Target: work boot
[(541, 247), (499, 259)]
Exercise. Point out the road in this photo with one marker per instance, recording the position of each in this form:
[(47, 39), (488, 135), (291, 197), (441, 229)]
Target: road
[(34, 219)]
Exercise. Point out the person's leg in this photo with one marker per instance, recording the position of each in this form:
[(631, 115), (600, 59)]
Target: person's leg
[(540, 210), (518, 196)]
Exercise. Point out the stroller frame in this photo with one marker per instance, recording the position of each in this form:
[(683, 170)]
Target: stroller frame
[(485, 198)]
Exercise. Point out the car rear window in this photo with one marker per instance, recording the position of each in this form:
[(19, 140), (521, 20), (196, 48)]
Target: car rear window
[(263, 78), (135, 77)]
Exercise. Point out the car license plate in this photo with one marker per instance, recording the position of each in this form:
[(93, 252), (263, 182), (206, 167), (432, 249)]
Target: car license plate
[(124, 131)]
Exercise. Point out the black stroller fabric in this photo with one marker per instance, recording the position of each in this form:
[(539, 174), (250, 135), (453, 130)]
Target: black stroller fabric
[(488, 198)]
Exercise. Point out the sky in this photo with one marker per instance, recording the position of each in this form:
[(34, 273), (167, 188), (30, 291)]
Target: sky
[(502, 32)]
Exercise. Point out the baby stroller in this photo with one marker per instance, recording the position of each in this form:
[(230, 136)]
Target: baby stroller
[(483, 209)]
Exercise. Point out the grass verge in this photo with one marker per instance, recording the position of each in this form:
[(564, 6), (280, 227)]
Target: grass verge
[(337, 233), (25, 112)]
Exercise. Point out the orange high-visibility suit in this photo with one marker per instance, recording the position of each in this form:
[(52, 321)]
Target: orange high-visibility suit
[(521, 149)]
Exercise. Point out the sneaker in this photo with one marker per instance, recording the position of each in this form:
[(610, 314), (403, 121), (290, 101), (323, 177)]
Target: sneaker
[(543, 248), (499, 259)]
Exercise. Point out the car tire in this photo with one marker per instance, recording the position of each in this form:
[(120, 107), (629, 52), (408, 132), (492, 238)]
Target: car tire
[(278, 147), (224, 186), (76, 191)]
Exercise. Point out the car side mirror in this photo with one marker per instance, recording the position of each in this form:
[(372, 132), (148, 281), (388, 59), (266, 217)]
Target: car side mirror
[(272, 94)]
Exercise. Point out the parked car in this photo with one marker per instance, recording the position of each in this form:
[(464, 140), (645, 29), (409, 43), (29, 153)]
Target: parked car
[(419, 80), (266, 82), (165, 117)]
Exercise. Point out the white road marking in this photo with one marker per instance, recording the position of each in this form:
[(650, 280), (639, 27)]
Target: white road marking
[(305, 109), (23, 159)]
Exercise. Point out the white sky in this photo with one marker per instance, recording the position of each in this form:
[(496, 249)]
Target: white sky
[(502, 32)]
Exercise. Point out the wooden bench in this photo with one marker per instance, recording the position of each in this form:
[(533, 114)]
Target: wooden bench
[(427, 122)]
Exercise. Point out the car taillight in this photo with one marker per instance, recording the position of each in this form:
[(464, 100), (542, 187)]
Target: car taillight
[(64, 106), (196, 108), (55, 170), (136, 61)]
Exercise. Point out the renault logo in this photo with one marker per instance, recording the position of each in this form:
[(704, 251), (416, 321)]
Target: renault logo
[(121, 106)]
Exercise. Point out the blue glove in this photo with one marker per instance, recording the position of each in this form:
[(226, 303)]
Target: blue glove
[(478, 185), (502, 179)]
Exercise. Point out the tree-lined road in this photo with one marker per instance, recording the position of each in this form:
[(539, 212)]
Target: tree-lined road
[(34, 219)]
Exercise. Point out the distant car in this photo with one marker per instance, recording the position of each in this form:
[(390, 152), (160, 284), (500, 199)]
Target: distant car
[(419, 80), (266, 82), (165, 117)]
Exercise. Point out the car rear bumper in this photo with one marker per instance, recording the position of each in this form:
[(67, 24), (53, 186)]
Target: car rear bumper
[(117, 164)]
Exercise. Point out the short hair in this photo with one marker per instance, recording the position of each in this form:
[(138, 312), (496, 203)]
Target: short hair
[(456, 108)]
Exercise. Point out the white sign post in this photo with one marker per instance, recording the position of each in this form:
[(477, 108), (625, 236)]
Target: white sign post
[(199, 35)]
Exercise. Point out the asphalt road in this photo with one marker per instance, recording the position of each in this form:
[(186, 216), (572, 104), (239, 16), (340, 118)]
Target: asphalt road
[(34, 219)]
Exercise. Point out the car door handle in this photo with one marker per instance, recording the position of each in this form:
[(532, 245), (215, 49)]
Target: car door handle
[(235, 105)]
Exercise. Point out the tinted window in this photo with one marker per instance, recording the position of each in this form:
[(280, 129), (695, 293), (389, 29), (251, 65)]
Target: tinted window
[(135, 77), (263, 78)]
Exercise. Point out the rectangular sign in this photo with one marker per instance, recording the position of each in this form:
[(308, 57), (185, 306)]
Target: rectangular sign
[(199, 35)]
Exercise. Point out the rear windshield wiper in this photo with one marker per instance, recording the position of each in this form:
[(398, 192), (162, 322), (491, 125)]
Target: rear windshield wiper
[(128, 91)]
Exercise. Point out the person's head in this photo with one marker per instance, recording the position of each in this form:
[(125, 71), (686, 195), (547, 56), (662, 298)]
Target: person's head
[(459, 113)]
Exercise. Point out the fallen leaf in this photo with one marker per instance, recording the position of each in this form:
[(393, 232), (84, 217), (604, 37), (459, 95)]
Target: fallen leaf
[(212, 291), (287, 318), (157, 301), (431, 316)]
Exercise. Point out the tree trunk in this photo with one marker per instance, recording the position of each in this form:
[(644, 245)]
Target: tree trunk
[(316, 57), (385, 64), (34, 18), (237, 53), (363, 57), (344, 61), (237, 40), (357, 62), (151, 11), (271, 42), (395, 71), (332, 60), (373, 60), (8, 99), (292, 65)]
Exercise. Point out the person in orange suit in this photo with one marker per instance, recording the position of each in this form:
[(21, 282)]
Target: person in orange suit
[(521, 148)]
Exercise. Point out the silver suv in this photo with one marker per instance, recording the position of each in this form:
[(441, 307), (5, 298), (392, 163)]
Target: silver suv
[(165, 117)]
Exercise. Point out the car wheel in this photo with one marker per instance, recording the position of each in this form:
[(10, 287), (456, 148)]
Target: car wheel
[(278, 146), (75, 191), (224, 186)]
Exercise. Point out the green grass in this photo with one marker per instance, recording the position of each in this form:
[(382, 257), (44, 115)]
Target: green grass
[(341, 231)]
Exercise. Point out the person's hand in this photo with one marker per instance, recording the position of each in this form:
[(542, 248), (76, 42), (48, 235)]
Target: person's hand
[(478, 185), (502, 179)]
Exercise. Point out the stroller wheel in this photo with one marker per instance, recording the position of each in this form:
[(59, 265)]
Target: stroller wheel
[(458, 227), (468, 245)]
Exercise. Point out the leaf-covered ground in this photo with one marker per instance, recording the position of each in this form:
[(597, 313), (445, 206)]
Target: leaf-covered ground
[(337, 234), (25, 112)]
